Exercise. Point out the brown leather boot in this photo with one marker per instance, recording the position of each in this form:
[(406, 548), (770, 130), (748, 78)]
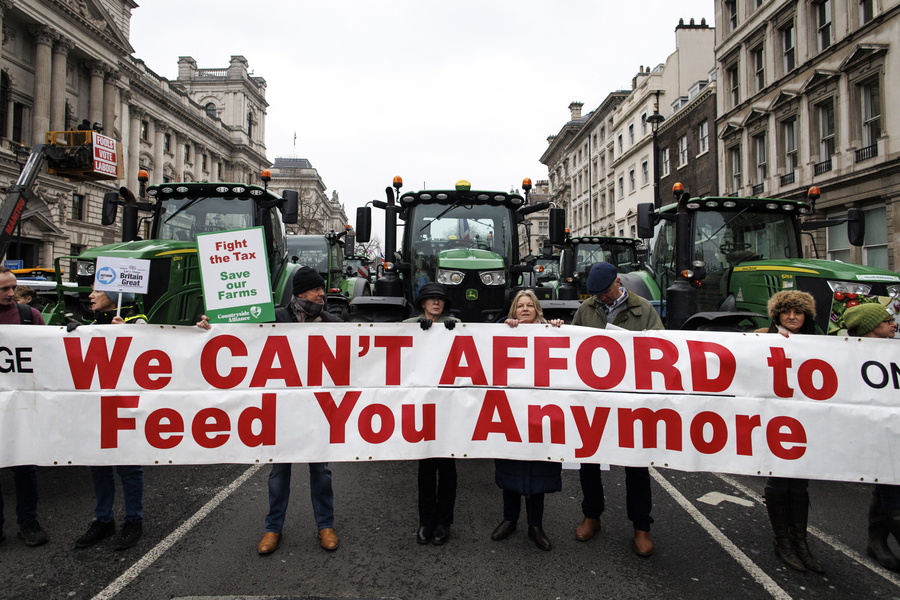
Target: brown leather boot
[(587, 529), (269, 543), (328, 539)]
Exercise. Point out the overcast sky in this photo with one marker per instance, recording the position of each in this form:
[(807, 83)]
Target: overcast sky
[(431, 91)]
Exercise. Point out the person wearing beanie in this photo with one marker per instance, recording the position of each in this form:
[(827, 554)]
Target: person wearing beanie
[(131, 477), (612, 303), (872, 320), (787, 499), (306, 306), (437, 476)]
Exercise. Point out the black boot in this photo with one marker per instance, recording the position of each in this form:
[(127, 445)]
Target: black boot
[(879, 529), (799, 511), (777, 505)]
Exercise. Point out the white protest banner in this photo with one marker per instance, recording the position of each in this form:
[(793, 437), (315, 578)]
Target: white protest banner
[(130, 275), (758, 404), (235, 276)]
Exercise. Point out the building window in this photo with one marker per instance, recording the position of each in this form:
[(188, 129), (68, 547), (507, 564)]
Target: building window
[(664, 159), (78, 207), (759, 148), (621, 147), (167, 142), (703, 136), (733, 83), (866, 11), (759, 67), (825, 114), (187, 153), (631, 184), (145, 130), (203, 162), (734, 167), (631, 135), (731, 14), (823, 23), (875, 248), (210, 110), (645, 173), (621, 187), (682, 151), (789, 133), (788, 50), (870, 100), (644, 124)]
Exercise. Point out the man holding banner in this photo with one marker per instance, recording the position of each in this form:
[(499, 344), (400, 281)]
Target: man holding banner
[(613, 304)]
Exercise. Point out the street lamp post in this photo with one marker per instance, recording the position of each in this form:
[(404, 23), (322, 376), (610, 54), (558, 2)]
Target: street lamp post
[(655, 121)]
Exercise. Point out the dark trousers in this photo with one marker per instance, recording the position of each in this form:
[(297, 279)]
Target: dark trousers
[(25, 480), (786, 485), (888, 496), (638, 498), (534, 508), (437, 491)]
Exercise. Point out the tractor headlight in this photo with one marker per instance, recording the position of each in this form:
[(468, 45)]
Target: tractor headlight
[(448, 277), (493, 277), (850, 287), (85, 268), (893, 291)]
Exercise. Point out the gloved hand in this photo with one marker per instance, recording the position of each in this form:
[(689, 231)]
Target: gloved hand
[(72, 326), (450, 325), (425, 324)]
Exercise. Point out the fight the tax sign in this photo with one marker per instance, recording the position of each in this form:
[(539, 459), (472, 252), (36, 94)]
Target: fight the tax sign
[(235, 276)]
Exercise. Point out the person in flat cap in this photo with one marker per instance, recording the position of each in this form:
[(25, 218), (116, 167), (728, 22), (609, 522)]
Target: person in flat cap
[(437, 475), (307, 306), (612, 303), (873, 320)]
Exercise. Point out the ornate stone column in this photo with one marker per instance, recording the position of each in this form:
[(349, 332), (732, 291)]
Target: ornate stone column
[(40, 122), (133, 157), (97, 71), (5, 7), (58, 83), (110, 101), (156, 177), (180, 141)]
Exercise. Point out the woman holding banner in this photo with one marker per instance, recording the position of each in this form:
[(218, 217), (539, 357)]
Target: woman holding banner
[(787, 499), (529, 478), (875, 321)]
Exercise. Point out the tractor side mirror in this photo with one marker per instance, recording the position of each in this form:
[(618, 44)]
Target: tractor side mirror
[(363, 224), (290, 206), (557, 226), (645, 220), (110, 208), (856, 227)]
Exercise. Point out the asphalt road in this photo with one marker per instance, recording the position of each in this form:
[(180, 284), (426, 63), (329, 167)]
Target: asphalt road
[(202, 524)]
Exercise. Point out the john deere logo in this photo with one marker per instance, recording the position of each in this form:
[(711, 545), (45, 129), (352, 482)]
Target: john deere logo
[(471, 294)]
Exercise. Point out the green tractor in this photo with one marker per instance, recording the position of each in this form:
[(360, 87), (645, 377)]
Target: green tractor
[(179, 212), (462, 238), (721, 259), (327, 254)]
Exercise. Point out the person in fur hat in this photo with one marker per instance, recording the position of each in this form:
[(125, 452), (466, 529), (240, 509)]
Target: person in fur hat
[(787, 499), (792, 312)]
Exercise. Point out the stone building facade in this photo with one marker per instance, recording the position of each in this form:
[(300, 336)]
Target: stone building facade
[(318, 213), (807, 97), (601, 166), (64, 61)]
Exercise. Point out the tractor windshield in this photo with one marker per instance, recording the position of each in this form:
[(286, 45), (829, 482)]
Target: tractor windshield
[(621, 255), (183, 218), (309, 251), (727, 238), (474, 226)]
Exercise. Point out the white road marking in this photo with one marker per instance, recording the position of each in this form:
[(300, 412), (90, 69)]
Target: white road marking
[(716, 498), (742, 559), (148, 559), (824, 537)]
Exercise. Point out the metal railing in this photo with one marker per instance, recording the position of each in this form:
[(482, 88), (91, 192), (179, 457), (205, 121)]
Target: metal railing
[(758, 189), (822, 167), (787, 179), (867, 153)]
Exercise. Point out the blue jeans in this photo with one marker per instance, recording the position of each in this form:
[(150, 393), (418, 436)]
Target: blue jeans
[(132, 478), (319, 490), (25, 480)]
